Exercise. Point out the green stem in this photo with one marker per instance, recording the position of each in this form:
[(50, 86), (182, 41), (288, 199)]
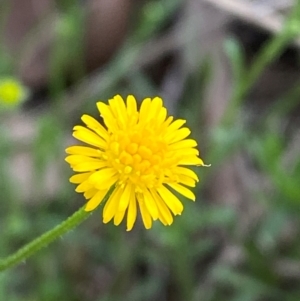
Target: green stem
[(45, 239), (268, 54)]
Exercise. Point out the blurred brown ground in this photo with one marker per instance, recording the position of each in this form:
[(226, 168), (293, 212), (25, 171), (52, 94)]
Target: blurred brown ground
[(105, 28)]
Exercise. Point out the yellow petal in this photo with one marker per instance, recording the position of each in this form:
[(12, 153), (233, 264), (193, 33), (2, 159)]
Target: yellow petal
[(150, 204), (186, 172), (131, 215), (118, 217), (165, 125), (161, 117), (85, 135), (104, 178), (118, 109), (171, 200), (192, 160), (111, 205), (90, 193), (183, 190), (84, 151), (76, 159), (107, 116), (94, 125), (131, 105), (146, 217), (187, 152), (144, 110), (175, 125), (187, 143), (95, 201), (178, 135), (79, 178), (88, 166), (164, 213), (154, 108), (84, 186), (126, 196), (186, 181)]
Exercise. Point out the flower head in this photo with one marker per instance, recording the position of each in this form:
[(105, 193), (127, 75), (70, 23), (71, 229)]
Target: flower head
[(12, 92), (138, 155)]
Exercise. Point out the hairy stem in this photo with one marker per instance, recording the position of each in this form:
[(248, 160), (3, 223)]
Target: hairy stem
[(44, 240)]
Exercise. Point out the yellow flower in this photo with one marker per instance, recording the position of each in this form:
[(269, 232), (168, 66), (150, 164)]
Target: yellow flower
[(12, 92), (139, 155)]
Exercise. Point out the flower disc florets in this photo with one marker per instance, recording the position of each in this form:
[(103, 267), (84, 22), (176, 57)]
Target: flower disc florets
[(138, 155)]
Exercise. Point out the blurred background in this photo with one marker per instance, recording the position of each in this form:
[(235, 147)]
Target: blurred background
[(231, 68)]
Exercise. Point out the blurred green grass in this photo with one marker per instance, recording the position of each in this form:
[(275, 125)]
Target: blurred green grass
[(213, 251)]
